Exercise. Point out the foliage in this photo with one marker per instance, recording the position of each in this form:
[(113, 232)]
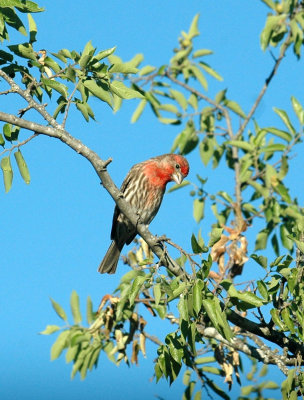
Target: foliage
[(214, 325)]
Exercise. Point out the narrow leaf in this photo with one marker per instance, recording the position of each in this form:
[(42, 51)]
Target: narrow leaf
[(198, 209), (22, 166), (121, 90), (59, 310), (50, 329), (284, 117), (75, 308), (7, 173), (99, 91), (59, 87), (138, 111)]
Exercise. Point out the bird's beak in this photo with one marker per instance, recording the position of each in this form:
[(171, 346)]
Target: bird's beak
[(177, 177)]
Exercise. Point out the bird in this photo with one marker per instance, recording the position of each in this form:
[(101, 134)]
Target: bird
[(143, 188)]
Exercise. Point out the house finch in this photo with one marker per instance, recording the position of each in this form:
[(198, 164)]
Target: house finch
[(143, 188)]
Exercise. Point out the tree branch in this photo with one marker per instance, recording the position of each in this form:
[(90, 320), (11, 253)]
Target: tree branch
[(206, 98), (284, 47), (100, 168), (19, 144)]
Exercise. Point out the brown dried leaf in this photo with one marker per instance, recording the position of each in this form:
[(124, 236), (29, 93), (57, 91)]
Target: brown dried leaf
[(135, 350), (142, 343), (219, 248)]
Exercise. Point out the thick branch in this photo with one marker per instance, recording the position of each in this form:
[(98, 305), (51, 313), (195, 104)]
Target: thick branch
[(263, 331), (260, 354)]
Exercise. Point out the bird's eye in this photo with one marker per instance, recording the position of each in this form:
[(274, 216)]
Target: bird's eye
[(177, 166)]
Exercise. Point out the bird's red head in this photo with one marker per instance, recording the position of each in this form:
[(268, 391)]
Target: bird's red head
[(166, 168)]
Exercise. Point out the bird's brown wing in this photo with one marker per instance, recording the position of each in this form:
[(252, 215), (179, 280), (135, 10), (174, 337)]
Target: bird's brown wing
[(120, 226)]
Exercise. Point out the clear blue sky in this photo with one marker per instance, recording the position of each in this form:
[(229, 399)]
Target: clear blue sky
[(55, 231)]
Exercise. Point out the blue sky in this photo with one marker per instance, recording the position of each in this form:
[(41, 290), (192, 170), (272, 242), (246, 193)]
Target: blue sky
[(55, 231)]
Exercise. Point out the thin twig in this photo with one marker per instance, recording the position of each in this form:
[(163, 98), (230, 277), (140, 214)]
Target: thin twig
[(206, 98), (19, 144), (284, 47), (7, 91)]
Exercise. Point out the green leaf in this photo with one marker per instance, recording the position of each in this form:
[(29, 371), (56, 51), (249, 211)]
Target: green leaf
[(146, 70), (271, 148), (12, 19), (281, 134), (24, 50), (235, 107), (299, 244), (90, 314), (86, 55), (286, 241), (75, 308), (83, 109), (259, 188), (193, 31), (284, 117), (103, 54), (169, 121), (50, 329), (271, 24), (32, 28), (210, 71), (183, 309), (206, 149), (248, 299), (175, 187), (201, 53), (49, 62), (157, 293), (136, 286), (179, 98), (263, 289), (241, 145), (276, 319), (59, 345), (298, 109), (59, 87), (197, 295), (270, 3), (220, 96), (7, 173), (217, 389), (261, 260), (71, 353), (225, 196), (193, 101), (138, 111), (261, 240), (287, 320), (136, 60), (24, 5), (198, 209), (23, 169), (215, 236), (7, 131), (123, 68), (196, 248), (59, 310), (121, 90), (199, 76), (169, 107), (100, 91)]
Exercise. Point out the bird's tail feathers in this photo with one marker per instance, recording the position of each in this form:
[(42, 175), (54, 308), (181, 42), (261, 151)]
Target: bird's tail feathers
[(109, 263)]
